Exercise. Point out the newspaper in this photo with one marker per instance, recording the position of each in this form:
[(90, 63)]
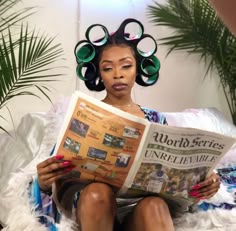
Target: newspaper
[(134, 156)]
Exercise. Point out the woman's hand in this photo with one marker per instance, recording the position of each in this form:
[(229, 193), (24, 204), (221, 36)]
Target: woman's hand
[(207, 188), (52, 169)]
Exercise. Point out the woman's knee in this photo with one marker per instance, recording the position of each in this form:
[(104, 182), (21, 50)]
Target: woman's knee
[(153, 205), (150, 212), (97, 197)]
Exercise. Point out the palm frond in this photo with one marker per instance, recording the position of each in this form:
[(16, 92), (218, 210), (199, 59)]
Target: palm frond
[(197, 29), (27, 58), (8, 17), (23, 66)]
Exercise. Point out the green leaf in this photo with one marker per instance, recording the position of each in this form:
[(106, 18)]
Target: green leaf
[(27, 58), (8, 17), (198, 30)]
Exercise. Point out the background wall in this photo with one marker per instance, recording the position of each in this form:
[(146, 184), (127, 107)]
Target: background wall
[(181, 84)]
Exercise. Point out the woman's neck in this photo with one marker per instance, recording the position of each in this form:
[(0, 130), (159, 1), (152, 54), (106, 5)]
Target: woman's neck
[(119, 102), (125, 104)]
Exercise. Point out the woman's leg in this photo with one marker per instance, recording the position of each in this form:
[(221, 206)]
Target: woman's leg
[(150, 214), (96, 208)]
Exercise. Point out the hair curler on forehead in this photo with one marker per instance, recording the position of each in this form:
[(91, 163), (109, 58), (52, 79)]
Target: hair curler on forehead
[(88, 52)]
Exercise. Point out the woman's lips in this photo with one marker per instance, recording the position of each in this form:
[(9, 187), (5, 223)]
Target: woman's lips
[(119, 86)]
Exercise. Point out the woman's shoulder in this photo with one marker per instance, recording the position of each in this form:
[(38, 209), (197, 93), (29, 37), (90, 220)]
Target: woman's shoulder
[(154, 116)]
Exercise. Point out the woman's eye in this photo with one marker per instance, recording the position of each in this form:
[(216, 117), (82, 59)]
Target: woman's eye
[(106, 69), (127, 66)]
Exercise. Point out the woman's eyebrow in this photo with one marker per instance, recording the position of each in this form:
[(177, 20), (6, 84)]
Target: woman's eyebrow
[(120, 60), (128, 57), (106, 61)]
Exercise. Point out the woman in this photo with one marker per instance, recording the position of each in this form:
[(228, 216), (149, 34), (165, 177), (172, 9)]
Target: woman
[(115, 63)]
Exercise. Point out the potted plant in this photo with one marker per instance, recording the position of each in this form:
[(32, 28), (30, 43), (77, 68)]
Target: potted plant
[(26, 56), (197, 29)]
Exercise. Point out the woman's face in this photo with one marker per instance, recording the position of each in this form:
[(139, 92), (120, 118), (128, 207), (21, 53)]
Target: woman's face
[(117, 68)]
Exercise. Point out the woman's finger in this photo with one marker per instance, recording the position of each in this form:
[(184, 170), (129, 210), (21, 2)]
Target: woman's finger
[(208, 191), (204, 194), (50, 160), (52, 167), (213, 186), (46, 180), (212, 179), (55, 173)]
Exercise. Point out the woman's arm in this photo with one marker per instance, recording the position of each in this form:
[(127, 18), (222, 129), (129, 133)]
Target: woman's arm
[(226, 11)]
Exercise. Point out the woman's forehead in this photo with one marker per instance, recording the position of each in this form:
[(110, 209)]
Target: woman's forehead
[(117, 52)]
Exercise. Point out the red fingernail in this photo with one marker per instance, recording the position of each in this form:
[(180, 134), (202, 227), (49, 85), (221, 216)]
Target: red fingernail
[(59, 157), (197, 186), (65, 163), (193, 191), (194, 194), (202, 198), (68, 169)]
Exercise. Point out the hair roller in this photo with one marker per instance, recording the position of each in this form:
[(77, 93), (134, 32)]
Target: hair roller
[(121, 32), (146, 81), (149, 53), (97, 42), (84, 51), (88, 69), (149, 66)]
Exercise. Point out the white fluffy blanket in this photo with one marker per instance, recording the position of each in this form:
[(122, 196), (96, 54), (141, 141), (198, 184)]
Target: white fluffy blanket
[(16, 210)]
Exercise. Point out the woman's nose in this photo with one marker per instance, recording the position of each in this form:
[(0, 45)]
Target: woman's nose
[(118, 74)]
